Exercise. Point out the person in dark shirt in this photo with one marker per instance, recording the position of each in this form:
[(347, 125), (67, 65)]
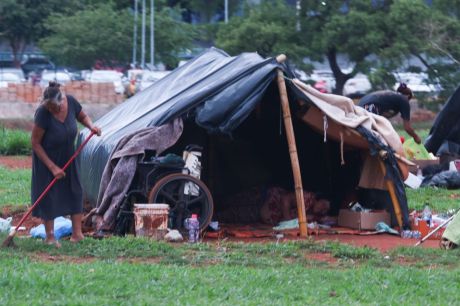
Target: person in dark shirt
[(388, 104)]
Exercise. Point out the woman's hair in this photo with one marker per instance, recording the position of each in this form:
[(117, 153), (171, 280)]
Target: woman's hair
[(403, 89), (52, 93)]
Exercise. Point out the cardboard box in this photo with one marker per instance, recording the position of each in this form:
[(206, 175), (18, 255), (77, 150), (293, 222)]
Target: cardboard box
[(422, 163), (363, 220)]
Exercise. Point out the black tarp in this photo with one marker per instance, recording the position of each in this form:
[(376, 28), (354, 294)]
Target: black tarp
[(220, 89), (445, 133)]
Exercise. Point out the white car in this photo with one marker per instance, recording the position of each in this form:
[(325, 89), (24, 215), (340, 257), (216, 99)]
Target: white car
[(417, 82), (58, 76), (107, 76), (150, 77), (359, 84), (9, 78)]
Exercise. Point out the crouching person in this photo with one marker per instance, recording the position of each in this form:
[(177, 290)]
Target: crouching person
[(280, 205)]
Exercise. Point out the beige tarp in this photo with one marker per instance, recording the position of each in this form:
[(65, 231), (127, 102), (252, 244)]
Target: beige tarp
[(337, 117)]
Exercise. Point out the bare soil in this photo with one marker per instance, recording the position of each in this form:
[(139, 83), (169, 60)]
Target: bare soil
[(16, 162)]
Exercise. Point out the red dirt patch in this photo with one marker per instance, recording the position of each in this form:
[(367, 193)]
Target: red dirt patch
[(323, 257), (16, 162)]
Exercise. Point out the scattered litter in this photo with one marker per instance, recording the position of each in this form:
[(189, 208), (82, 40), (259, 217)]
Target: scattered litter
[(5, 225), (62, 228), (21, 228), (173, 236), (285, 225), (214, 225), (382, 227)]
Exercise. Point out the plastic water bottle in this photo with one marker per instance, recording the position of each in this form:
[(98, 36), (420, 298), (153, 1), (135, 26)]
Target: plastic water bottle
[(193, 226), (426, 214)]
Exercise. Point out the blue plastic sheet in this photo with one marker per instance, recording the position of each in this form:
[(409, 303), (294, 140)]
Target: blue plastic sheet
[(62, 228)]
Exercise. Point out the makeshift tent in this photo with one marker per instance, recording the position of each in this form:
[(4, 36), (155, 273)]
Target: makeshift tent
[(444, 138), (231, 107)]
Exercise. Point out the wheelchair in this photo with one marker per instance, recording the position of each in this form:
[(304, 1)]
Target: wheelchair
[(166, 180)]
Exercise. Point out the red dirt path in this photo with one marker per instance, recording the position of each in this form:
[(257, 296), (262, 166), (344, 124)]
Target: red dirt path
[(16, 162)]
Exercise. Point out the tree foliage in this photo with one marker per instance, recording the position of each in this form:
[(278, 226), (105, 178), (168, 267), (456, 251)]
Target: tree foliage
[(268, 28), (22, 21), (105, 33)]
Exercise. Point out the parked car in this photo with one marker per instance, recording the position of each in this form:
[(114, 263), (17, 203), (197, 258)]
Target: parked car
[(15, 71), (150, 77), (37, 64), (6, 64), (61, 77), (107, 76), (417, 82), (9, 78), (359, 84)]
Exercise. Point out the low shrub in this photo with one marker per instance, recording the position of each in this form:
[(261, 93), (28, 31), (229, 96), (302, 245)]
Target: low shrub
[(14, 142)]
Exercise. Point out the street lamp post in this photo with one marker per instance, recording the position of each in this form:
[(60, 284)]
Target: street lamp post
[(226, 11), (143, 36), (135, 35), (152, 34)]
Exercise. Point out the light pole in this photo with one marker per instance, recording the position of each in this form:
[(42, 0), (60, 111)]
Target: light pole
[(143, 36), (135, 34), (152, 33), (226, 11)]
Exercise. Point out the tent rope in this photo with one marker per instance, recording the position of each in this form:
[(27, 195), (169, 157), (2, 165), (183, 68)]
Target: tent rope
[(325, 126), (342, 160)]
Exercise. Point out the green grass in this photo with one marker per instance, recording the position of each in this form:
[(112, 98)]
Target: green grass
[(139, 271), (14, 187), (14, 142)]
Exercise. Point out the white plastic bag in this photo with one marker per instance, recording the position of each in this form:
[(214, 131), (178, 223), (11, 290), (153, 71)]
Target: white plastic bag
[(5, 225)]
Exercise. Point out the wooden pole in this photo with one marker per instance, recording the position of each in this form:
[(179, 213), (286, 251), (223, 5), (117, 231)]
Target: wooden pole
[(391, 190), (292, 150)]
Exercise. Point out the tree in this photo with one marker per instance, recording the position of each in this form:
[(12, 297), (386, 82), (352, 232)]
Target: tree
[(22, 21), (268, 28), (102, 32)]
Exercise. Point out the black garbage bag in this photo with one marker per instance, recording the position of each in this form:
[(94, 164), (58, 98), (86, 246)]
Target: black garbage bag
[(444, 179)]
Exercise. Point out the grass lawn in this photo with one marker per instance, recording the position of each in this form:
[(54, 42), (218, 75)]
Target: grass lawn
[(136, 271), (14, 187)]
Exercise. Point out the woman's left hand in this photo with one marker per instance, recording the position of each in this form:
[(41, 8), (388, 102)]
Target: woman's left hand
[(96, 130)]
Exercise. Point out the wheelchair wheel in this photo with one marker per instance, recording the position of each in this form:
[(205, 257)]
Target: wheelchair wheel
[(185, 196)]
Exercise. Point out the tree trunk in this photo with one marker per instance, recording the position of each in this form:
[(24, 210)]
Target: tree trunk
[(340, 77), (16, 50)]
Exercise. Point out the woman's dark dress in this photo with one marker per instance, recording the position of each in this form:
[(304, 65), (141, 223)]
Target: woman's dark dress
[(65, 197)]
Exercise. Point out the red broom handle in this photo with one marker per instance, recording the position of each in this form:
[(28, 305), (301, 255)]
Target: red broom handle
[(54, 180)]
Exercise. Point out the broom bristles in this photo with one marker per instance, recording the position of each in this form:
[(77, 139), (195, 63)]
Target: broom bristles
[(9, 240)]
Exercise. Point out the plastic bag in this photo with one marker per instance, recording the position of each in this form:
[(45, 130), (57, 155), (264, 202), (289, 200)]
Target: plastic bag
[(5, 225), (414, 150), (62, 228)]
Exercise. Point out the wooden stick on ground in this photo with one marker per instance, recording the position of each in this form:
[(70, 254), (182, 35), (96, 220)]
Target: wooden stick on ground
[(292, 150)]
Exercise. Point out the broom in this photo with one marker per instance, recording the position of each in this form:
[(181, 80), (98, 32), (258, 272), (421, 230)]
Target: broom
[(9, 240)]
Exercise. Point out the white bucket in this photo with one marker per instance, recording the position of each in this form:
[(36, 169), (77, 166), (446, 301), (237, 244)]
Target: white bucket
[(151, 220)]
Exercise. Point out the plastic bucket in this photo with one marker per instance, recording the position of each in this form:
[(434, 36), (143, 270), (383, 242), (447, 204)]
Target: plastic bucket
[(151, 220)]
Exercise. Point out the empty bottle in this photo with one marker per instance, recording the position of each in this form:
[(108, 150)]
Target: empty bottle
[(193, 226), (426, 214)]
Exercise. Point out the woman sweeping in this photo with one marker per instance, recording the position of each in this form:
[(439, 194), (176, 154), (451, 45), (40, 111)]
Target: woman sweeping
[(53, 139)]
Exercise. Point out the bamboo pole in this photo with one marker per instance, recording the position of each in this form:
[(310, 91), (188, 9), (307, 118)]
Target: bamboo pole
[(292, 150), (391, 190)]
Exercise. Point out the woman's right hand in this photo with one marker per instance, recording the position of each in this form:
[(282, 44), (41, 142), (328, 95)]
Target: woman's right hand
[(58, 173)]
